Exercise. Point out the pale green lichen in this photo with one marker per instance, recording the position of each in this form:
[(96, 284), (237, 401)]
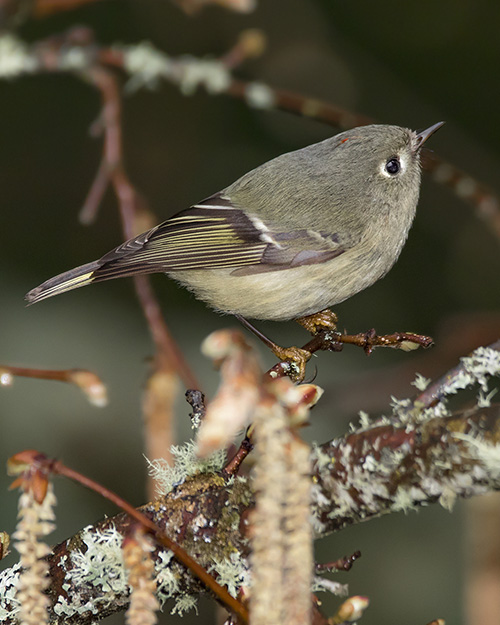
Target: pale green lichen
[(232, 572), (484, 398), (15, 57), (184, 604), (101, 564), (403, 501), (364, 419), (420, 382), (167, 582), (320, 457), (146, 64), (448, 498), (9, 605), (186, 463), (260, 96), (208, 73), (321, 584), (488, 454), (482, 364)]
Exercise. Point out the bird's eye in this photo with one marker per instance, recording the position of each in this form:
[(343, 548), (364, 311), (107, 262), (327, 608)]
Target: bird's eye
[(392, 166)]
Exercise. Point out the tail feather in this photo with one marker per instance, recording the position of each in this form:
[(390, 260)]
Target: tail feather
[(73, 279), (88, 274)]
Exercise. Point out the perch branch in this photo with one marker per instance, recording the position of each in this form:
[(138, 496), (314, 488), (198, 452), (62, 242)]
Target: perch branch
[(329, 340)]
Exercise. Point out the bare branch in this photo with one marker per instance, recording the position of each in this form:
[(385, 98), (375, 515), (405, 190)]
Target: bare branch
[(87, 381)]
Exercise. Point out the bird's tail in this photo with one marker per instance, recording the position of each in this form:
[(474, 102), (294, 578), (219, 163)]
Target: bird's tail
[(67, 281)]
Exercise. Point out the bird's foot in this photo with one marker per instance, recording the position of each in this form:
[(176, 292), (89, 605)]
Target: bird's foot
[(296, 357), (322, 320)]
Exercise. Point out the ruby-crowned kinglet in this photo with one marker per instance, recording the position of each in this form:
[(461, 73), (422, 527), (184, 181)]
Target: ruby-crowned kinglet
[(294, 236)]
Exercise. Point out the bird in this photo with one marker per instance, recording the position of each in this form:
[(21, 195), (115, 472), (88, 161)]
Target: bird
[(289, 239)]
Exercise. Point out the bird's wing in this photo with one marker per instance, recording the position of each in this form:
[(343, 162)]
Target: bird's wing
[(215, 234)]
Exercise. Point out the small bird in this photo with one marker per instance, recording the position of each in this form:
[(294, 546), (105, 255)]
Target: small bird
[(300, 233)]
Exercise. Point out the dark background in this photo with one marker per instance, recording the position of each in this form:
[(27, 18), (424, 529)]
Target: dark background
[(411, 64)]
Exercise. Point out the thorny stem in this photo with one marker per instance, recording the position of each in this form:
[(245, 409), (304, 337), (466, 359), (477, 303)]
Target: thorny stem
[(231, 603)]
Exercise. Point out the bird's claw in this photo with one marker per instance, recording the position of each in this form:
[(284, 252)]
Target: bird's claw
[(297, 359)]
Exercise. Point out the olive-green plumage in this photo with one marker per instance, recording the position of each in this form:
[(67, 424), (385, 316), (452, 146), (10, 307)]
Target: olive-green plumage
[(298, 234)]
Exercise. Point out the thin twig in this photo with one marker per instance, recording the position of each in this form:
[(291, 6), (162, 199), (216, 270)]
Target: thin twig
[(87, 381), (112, 171), (342, 564), (328, 340), (233, 466), (435, 391)]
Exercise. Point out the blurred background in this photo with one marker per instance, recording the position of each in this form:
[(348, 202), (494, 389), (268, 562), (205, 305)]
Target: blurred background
[(412, 64)]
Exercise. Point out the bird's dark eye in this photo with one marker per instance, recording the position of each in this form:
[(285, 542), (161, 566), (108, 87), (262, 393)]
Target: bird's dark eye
[(392, 166)]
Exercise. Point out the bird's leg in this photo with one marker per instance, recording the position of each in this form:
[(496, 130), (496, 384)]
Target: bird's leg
[(322, 320), (296, 356)]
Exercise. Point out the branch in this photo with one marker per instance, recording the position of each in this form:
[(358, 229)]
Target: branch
[(112, 171), (85, 380), (375, 471), (390, 468)]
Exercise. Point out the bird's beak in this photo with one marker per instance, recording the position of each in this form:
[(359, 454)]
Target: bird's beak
[(425, 134)]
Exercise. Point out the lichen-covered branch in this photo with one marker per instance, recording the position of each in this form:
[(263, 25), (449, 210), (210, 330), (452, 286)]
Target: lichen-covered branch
[(372, 471), (391, 468)]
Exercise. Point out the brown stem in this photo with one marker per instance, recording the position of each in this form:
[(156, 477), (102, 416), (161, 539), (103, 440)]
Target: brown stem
[(342, 564), (233, 466), (112, 169), (304, 106), (484, 199), (61, 375), (328, 340), (166, 345)]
